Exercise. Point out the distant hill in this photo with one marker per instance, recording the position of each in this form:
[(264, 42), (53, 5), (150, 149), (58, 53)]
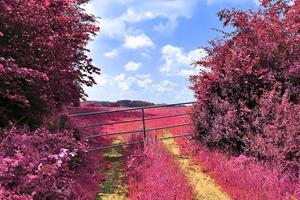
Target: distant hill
[(120, 103)]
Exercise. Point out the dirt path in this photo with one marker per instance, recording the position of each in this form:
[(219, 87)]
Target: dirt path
[(114, 186), (204, 186)]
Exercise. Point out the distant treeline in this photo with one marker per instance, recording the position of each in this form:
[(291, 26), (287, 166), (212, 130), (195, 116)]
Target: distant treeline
[(121, 103)]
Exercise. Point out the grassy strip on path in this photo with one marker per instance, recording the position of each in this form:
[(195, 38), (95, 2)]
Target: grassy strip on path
[(113, 188), (204, 186)]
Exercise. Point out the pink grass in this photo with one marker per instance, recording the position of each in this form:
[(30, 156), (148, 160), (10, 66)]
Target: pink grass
[(244, 177), (154, 174)]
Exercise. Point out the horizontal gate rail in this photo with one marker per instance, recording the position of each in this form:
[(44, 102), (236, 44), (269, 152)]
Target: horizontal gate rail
[(138, 131), (166, 116), (110, 123), (142, 119), (134, 120), (115, 133), (128, 109), (138, 142)]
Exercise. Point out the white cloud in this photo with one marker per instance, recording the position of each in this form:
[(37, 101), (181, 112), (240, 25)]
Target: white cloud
[(140, 87), (145, 55), (139, 41), (133, 15), (211, 2), (120, 77), (132, 66), (113, 28), (103, 80), (173, 57), (166, 28), (184, 95), (143, 76), (177, 62), (124, 82), (124, 86), (111, 54), (119, 15), (164, 86), (145, 83), (187, 72)]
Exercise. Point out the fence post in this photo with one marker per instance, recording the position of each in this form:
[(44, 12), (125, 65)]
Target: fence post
[(144, 124)]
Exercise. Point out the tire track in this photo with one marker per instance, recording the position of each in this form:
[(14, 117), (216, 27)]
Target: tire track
[(204, 186), (114, 187)]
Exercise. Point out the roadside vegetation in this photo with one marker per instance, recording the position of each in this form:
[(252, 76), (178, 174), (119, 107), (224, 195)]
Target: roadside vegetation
[(43, 66), (248, 103)]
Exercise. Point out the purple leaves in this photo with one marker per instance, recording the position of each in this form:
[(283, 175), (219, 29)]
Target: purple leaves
[(249, 103), (31, 162), (42, 58)]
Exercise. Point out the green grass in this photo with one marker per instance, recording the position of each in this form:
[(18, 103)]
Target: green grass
[(113, 187)]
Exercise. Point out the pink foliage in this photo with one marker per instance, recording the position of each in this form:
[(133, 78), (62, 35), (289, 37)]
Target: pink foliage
[(154, 174), (39, 164), (249, 103), (243, 177), (42, 57)]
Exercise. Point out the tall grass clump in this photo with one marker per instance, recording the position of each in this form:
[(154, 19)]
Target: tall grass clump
[(154, 174), (243, 177)]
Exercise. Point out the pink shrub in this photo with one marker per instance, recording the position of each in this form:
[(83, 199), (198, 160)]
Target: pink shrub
[(154, 174), (39, 164), (279, 140), (249, 102)]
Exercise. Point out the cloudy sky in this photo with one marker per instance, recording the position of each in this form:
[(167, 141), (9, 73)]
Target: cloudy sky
[(146, 47)]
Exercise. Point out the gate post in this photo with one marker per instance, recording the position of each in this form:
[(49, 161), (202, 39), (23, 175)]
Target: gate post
[(144, 124)]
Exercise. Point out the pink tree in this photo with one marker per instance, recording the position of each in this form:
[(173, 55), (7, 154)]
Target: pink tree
[(247, 100), (43, 61)]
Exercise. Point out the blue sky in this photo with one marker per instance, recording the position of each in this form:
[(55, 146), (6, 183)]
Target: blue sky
[(145, 47)]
